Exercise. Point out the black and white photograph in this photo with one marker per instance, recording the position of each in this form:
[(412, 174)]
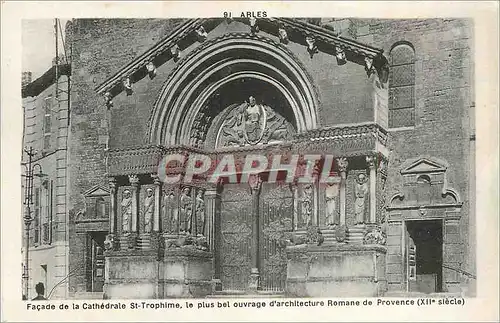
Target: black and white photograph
[(247, 159)]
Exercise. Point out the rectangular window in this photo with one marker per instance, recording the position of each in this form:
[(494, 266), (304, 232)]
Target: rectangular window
[(46, 141), (36, 220), (51, 210), (47, 122)]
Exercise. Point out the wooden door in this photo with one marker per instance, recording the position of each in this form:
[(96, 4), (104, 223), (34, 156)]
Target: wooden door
[(276, 210), (236, 237), (97, 263)]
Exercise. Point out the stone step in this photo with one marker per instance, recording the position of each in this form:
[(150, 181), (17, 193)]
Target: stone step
[(243, 294), (356, 234), (87, 295)]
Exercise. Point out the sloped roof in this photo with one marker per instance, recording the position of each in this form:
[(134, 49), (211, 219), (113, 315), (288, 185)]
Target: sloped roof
[(184, 36), (39, 85)]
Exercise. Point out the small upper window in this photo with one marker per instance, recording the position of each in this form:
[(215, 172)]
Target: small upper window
[(402, 86)]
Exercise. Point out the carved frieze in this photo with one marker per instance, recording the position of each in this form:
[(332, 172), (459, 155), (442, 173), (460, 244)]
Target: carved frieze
[(376, 236)]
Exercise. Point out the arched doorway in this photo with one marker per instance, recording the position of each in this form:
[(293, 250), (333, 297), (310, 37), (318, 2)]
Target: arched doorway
[(241, 94)]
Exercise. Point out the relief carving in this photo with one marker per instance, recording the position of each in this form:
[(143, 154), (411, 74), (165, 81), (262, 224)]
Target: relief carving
[(251, 123), (375, 236)]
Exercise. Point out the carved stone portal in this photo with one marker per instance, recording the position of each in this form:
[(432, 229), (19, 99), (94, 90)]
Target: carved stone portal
[(251, 123)]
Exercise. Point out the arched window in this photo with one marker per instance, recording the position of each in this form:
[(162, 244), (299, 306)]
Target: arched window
[(402, 86)]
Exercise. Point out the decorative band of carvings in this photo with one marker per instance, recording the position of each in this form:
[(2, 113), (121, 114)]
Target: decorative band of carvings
[(329, 37), (186, 281), (345, 141)]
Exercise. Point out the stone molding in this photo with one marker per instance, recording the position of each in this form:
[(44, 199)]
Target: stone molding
[(272, 25)]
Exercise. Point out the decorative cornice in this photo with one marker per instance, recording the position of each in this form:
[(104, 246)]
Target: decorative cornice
[(327, 36), (189, 28), (342, 141), (162, 46)]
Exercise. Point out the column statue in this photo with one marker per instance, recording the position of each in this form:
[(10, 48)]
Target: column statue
[(200, 213), (331, 193), (360, 191), (126, 207), (148, 210), (186, 209)]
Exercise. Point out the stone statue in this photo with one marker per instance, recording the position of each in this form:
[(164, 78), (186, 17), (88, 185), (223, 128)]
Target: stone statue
[(307, 207), (331, 192), (200, 213), (169, 211), (126, 206), (148, 210), (186, 209), (254, 117), (360, 191)]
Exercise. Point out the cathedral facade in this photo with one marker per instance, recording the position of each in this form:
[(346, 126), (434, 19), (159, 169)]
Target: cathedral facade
[(385, 107)]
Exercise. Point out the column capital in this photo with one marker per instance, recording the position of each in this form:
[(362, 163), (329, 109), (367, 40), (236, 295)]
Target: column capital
[(342, 164), (112, 182), (156, 179), (370, 160), (133, 179)]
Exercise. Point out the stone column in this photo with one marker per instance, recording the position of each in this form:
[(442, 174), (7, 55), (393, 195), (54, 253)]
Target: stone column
[(110, 242), (212, 207), (112, 211), (213, 231), (255, 185), (134, 182), (370, 160), (157, 206), (295, 191), (342, 164), (156, 232)]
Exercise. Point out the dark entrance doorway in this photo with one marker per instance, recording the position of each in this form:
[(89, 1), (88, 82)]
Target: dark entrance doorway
[(424, 256), (95, 261)]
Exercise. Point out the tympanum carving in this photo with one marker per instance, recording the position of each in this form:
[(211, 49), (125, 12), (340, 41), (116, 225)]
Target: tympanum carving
[(251, 123)]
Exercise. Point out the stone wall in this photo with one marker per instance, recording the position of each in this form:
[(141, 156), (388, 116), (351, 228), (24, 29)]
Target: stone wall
[(99, 48), (444, 101)]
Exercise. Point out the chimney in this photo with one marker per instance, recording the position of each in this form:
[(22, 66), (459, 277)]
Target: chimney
[(26, 78)]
